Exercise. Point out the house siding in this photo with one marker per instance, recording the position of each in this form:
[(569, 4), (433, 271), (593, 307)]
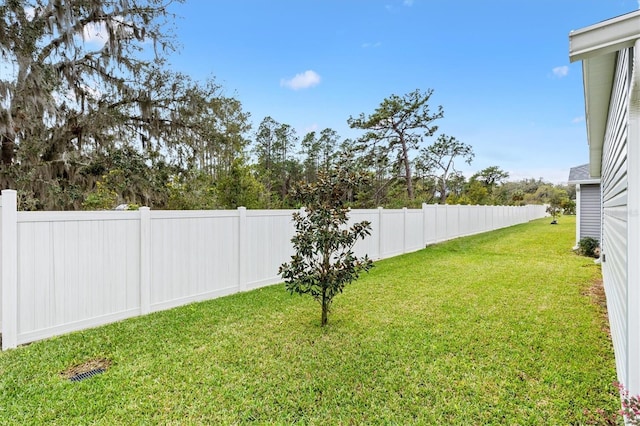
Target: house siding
[(614, 200), (589, 211)]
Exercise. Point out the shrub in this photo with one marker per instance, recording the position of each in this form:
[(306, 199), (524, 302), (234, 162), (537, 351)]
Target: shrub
[(630, 406), (588, 246)]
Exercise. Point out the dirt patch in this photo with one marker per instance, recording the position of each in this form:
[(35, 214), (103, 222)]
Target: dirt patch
[(598, 297), (85, 367)]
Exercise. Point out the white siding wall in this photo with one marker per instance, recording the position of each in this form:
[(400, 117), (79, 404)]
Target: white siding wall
[(614, 198), (633, 227), (81, 269)]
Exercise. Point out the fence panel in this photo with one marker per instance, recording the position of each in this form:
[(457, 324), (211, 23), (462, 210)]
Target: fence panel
[(73, 270), (430, 224), (453, 221), (467, 223), (441, 222), (194, 256), (414, 230), (370, 245), (269, 236), (392, 233)]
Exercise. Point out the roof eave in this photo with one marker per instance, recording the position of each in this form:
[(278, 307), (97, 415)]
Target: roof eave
[(597, 46), (605, 37), (584, 182)]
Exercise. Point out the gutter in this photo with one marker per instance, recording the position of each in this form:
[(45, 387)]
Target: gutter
[(605, 37)]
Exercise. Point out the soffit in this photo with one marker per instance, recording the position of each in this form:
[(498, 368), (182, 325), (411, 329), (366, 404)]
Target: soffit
[(598, 74)]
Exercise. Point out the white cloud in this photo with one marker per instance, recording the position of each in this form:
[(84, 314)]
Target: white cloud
[(95, 33), (30, 13), (311, 128), (578, 120), (560, 72), (410, 2), (303, 80)]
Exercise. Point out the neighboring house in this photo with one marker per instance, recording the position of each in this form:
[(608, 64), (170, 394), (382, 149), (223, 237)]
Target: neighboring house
[(610, 55), (588, 203)]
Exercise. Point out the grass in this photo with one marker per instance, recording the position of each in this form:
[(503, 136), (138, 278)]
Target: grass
[(497, 328)]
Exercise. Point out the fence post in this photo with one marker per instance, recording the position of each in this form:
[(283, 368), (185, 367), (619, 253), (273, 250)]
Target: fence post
[(9, 269), (424, 225), (447, 215), (242, 248), (404, 229), (446, 222), (493, 222), (380, 233), (145, 260), (435, 222)]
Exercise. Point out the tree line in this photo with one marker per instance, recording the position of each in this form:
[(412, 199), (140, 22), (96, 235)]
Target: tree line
[(88, 124)]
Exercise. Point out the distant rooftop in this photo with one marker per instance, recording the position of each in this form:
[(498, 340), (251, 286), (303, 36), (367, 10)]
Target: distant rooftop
[(580, 174)]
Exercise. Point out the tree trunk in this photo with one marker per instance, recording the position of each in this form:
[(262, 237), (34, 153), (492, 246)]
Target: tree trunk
[(7, 151), (443, 192), (407, 169), (283, 189), (325, 308)]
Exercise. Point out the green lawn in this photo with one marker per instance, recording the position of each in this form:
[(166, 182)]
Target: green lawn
[(491, 329)]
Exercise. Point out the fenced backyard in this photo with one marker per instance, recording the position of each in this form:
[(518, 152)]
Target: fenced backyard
[(505, 327), (66, 271)]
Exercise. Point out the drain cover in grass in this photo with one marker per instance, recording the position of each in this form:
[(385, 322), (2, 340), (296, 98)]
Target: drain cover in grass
[(86, 369), (86, 375)]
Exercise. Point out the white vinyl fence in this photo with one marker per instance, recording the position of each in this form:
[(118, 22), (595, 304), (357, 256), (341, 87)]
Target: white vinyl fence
[(66, 271)]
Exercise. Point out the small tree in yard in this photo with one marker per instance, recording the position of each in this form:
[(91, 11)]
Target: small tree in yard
[(324, 261), (557, 200)]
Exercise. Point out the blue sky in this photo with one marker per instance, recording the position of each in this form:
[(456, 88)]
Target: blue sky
[(499, 68)]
